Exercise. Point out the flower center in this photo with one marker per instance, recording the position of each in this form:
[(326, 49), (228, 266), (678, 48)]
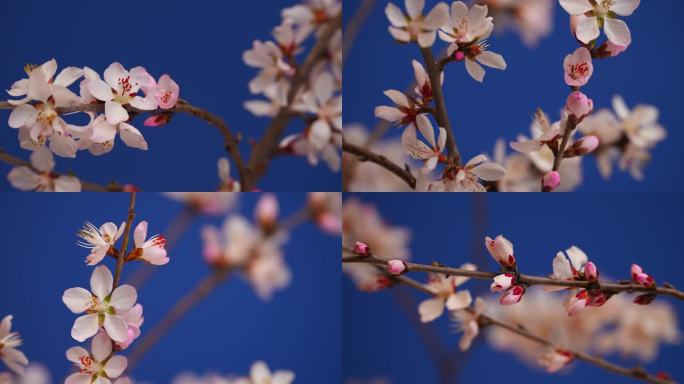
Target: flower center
[(28, 68), (603, 7), (46, 113), (461, 28), (86, 364), (125, 84), (579, 70), (166, 97)]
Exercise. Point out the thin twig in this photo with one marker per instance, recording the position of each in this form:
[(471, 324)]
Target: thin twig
[(636, 373), (523, 279), (367, 155), (440, 107), (261, 152), (121, 257), (85, 185), (354, 26)]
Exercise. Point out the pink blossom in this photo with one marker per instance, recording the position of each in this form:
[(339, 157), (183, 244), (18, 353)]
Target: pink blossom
[(501, 250), (361, 249), (591, 272), (396, 266), (157, 120), (513, 295), (551, 181), (578, 67), (640, 277), (502, 282), (579, 104)]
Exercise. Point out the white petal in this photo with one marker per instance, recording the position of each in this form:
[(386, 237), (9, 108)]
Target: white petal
[(74, 354), (437, 18), (144, 103), (491, 59), (399, 98), (23, 178), (489, 171), (389, 113), (587, 29), (324, 87), (459, 300), (42, 160), (67, 184), (22, 115), (68, 76), (115, 366), (577, 257), (395, 15), (132, 136), (101, 347), (430, 309), (123, 298), (617, 31), (115, 112), (426, 129), (116, 327), (400, 34), (624, 7), (426, 39), (576, 7), (620, 107), (78, 378), (85, 327), (414, 7), (77, 299), (101, 282), (475, 70), (100, 90), (561, 267)]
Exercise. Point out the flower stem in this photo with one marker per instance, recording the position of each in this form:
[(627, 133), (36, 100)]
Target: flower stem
[(440, 107), (365, 154), (121, 257)]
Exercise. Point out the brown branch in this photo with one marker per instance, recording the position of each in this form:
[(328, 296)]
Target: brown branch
[(121, 257), (367, 155), (352, 29), (261, 152), (635, 373), (440, 107), (85, 185), (523, 279), (183, 306), (230, 141), (569, 127)]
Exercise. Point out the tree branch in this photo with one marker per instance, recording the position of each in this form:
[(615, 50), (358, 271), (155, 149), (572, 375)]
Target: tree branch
[(367, 155), (635, 373), (85, 185), (440, 107), (261, 153), (121, 257), (524, 279)]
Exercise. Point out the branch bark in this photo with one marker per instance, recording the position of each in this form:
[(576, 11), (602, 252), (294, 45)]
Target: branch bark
[(367, 155), (635, 373), (524, 279), (121, 257), (261, 153)]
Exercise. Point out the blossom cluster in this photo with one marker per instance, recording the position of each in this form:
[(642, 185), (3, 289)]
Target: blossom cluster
[(259, 374), (45, 99), (111, 315), (13, 358), (319, 101)]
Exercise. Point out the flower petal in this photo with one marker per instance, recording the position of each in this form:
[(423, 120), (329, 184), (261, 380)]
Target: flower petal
[(430, 309), (101, 282), (84, 327), (116, 327), (77, 299), (123, 297), (617, 31)]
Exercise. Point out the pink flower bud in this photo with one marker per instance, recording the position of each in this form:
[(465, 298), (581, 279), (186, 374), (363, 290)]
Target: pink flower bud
[(590, 272), (501, 250), (614, 49), (459, 55), (579, 104), (266, 211), (157, 120), (512, 296), (361, 249), (644, 299), (640, 277), (502, 282), (551, 181), (396, 267), (587, 144)]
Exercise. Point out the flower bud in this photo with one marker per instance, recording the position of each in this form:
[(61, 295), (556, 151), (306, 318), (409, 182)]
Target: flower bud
[(585, 145), (266, 211), (396, 267), (640, 277), (614, 49), (513, 295), (590, 272), (157, 120), (579, 104), (501, 250), (551, 181), (459, 55), (502, 282), (361, 249)]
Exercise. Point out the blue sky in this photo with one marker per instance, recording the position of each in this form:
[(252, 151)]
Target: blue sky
[(225, 333), (199, 44), (503, 106), (614, 231)]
